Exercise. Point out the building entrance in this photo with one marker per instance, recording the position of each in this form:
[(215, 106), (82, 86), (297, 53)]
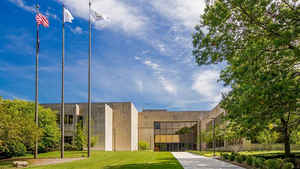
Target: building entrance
[(175, 135)]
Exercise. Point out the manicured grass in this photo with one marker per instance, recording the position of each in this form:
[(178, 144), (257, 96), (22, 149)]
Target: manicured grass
[(5, 164), (116, 160), (265, 152), (205, 153)]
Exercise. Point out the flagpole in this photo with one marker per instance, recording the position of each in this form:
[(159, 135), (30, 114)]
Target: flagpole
[(89, 84), (62, 114), (36, 117)]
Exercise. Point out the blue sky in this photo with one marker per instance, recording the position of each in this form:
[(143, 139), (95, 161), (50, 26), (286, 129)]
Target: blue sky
[(143, 54)]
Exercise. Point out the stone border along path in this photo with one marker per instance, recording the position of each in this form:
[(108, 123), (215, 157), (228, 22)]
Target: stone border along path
[(48, 161), (192, 161)]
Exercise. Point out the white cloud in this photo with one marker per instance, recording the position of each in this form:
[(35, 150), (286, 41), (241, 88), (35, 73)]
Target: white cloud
[(162, 47), (137, 58), (48, 14), (77, 30), (21, 4), (154, 66), (168, 86), (140, 85), (123, 16), (166, 83), (187, 12), (205, 84)]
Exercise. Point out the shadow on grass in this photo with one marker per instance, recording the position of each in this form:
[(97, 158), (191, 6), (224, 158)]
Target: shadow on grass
[(162, 165)]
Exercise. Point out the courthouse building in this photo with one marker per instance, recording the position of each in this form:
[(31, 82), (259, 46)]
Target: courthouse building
[(118, 126)]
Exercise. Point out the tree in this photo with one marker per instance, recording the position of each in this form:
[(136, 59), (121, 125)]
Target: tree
[(258, 42), (267, 136), (18, 130), (80, 137), (184, 130), (49, 140), (296, 137)]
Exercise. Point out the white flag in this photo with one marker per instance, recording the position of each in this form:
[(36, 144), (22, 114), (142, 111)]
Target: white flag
[(97, 16), (68, 16)]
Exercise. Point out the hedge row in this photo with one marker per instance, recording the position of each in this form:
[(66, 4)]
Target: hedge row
[(258, 162)]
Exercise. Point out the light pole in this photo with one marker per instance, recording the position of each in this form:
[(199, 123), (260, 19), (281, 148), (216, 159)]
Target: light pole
[(214, 135), (36, 114), (89, 85), (62, 111)]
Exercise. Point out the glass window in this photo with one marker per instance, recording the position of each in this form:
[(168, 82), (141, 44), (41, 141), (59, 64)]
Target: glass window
[(68, 139), (156, 125), (66, 119), (80, 121), (70, 119)]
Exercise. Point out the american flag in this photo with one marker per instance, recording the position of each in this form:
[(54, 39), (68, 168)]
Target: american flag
[(41, 19)]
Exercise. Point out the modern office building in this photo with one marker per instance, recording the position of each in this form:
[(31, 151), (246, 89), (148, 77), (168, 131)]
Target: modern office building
[(118, 126)]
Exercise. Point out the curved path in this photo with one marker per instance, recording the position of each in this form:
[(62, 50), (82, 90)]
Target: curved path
[(192, 161)]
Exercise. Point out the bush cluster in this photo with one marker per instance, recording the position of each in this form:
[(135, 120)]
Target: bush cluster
[(249, 160), (225, 156), (143, 145), (239, 158), (232, 156), (258, 162), (70, 147), (278, 164)]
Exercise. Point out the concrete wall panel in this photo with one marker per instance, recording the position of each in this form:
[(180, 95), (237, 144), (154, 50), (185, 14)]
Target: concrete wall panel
[(108, 128)]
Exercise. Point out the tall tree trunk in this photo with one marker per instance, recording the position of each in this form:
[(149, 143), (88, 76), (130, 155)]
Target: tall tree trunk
[(287, 144), (286, 138)]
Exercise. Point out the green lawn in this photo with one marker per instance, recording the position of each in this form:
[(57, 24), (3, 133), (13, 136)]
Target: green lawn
[(205, 153), (114, 160)]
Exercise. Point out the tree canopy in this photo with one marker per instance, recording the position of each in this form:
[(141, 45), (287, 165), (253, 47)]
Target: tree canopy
[(258, 40), (18, 130)]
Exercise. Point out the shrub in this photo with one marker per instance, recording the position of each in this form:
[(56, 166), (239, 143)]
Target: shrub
[(244, 157), (49, 140), (238, 159), (273, 163), (249, 160), (94, 140), (232, 156), (288, 165), (70, 147), (144, 146), (279, 162), (80, 138), (258, 162), (13, 149), (224, 156)]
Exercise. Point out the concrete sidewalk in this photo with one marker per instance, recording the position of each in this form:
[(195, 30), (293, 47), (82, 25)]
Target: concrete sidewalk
[(192, 161)]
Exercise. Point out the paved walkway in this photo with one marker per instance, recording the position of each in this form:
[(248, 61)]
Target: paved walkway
[(191, 161)]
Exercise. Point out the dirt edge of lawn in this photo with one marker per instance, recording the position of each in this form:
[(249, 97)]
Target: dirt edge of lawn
[(43, 161)]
